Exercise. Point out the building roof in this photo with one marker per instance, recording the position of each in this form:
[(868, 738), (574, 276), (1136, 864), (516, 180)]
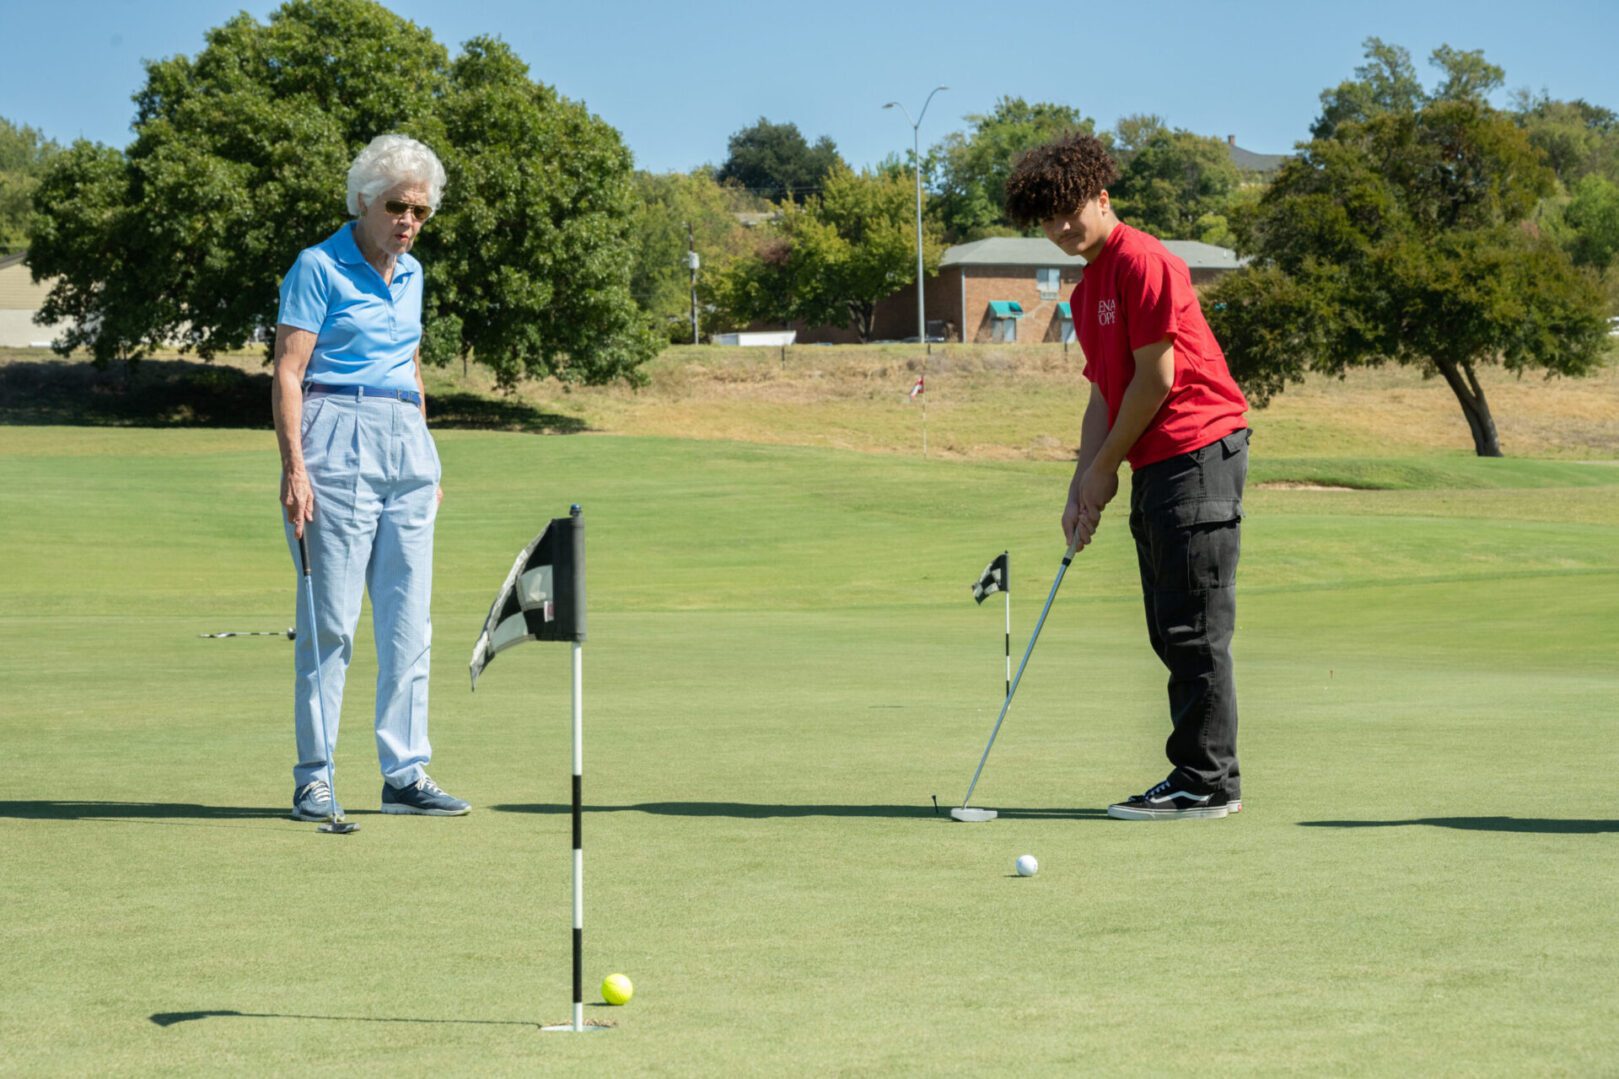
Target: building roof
[(12, 260), (1025, 251), (1008, 251), (1249, 161)]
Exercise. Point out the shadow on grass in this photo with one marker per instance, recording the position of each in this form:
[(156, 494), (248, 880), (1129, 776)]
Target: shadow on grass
[(1537, 825), (169, 1019), (762, 811), (189, 393), (74, 810)]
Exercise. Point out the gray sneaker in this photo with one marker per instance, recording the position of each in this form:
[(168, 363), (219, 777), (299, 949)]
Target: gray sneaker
[(313, 801), (422, 797)]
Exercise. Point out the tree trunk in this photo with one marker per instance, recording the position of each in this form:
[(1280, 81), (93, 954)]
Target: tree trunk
[(1463, 383), (863, 317)]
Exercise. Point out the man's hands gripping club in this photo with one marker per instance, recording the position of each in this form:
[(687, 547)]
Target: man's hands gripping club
[(1102, 447)]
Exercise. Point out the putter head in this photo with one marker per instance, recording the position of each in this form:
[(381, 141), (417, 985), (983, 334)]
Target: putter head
[(339, 826), (972, 815)]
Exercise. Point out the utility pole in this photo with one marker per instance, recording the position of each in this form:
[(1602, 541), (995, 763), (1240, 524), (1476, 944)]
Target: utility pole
[(921, 308), (691, 262)]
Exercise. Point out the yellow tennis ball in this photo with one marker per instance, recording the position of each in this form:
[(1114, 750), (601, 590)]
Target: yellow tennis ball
[(617, 989)]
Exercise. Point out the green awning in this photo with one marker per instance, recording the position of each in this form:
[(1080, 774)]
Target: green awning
[(1006, 308), (1064, 312)]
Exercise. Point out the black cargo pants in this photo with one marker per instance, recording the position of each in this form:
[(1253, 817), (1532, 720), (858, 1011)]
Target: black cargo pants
[(1186, 517)]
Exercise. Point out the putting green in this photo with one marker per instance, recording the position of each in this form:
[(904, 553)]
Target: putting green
[(784, 665)]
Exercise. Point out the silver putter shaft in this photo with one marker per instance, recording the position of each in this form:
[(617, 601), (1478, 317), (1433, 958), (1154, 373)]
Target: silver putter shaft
[(337, 825), (963, 813)]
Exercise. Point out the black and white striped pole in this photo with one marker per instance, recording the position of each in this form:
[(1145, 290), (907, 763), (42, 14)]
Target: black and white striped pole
[(543, 599), (578, 550), (1006, 570)]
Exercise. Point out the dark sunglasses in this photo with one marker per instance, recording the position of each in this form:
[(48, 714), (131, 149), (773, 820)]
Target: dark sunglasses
[(397, 207)]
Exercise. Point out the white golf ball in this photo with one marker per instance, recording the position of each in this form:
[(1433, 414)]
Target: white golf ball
[(1028, 865)]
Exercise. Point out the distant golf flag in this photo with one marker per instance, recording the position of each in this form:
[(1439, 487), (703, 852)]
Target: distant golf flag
[(543, 599), (916, 390), (997, 577)]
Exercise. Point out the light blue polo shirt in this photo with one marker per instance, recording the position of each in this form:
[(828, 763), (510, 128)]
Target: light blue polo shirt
[(366, 331)]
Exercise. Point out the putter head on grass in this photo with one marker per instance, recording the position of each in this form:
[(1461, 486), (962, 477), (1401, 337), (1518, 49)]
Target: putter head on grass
[(972, 815)]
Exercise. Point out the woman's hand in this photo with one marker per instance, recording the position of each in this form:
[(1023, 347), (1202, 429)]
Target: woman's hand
[(297, 500)]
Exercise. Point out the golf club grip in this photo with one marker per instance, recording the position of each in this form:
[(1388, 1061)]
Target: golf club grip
[(303, 554)]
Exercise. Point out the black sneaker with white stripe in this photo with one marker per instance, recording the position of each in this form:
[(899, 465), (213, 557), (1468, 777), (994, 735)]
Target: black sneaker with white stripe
[(1168, 801)]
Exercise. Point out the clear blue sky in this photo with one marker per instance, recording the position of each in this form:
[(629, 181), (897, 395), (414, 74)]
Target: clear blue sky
[(677, 78)]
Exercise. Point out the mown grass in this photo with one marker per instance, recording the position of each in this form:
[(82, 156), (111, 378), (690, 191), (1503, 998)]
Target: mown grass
[(784, 666)]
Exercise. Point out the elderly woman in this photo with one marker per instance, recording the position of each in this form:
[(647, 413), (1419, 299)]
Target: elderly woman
[(360, 473)]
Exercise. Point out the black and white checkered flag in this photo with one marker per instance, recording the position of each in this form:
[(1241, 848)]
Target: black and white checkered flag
[(995, 578)]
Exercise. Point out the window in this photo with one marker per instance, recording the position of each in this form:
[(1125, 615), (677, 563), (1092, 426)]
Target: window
[(1003, 316), (1050, 281)]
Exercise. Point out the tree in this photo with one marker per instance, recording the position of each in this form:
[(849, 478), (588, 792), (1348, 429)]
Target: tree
[(774, 161), (1178, 186), (1386, 82), (1579, 139), (239, 161), (24, 153), (1592, 215), (1133, 132), (830, 261), (666, 203), (1403, 238), (973, 166), (534, 253)]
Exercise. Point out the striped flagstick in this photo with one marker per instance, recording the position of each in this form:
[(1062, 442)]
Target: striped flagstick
[(1006, 587), (543, 599), (997, 577)]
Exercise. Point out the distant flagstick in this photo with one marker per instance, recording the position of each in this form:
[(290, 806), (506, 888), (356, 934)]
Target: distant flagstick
[(997, 577), (543, 599), (921, 390), (1008, 637), (963, 812)]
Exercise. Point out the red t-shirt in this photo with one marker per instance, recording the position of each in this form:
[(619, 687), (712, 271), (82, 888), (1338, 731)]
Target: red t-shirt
[(1136, 294)]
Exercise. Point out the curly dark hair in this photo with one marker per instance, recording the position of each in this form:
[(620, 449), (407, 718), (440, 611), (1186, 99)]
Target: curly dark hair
[(1058, 178)]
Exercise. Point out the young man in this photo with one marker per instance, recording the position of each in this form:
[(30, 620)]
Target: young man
[(1163, 399)]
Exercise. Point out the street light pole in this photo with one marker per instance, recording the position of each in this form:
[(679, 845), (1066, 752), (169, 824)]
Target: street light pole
[(916, 153)]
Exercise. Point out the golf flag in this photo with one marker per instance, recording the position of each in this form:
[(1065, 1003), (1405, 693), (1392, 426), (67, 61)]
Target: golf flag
[(543, 598), (995, 578), (916, 389)]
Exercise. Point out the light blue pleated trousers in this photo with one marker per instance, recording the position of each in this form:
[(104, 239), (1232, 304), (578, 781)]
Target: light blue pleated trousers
[(375, 474)]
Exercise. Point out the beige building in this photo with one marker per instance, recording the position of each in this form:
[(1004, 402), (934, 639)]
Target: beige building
[(20, 297)]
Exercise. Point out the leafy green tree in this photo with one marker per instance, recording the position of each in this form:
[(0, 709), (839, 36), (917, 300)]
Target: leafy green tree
[(1593, 217), (1133, 132), (1386, 82), (239, 161), (1403, 238), (666, 203), (1177, 186), (776, 162), (534, 254), (972, 166), (1579, 139), (24, 153), (830, 261)]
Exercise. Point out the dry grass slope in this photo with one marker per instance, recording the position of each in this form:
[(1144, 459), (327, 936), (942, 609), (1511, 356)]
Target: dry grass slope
[(983, 402)]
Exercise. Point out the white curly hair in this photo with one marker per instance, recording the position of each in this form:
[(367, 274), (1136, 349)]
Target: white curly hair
[(389, 160)]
